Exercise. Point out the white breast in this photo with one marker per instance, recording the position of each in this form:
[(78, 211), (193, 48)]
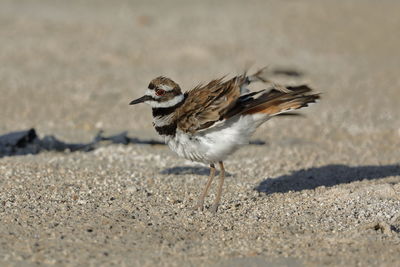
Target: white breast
[(218, 142)]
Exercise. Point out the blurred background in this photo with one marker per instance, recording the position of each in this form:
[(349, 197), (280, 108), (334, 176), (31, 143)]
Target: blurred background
[(70, 68)]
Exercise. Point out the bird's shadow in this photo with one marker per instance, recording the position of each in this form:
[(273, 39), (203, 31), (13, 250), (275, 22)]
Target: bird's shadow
[(329, 175), (196, 170)]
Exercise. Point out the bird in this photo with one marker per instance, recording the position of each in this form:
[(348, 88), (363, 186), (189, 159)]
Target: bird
[(211, 121)]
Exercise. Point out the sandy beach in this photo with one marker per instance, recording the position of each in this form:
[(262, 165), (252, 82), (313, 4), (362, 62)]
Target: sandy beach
[(318, 190)]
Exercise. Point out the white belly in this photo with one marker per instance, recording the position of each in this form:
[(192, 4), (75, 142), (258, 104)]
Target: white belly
[(217, 143)]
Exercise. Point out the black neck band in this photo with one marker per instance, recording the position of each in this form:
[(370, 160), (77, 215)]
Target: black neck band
[(168, 110)]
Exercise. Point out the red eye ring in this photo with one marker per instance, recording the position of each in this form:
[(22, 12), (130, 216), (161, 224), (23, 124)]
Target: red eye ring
[(160, 92)]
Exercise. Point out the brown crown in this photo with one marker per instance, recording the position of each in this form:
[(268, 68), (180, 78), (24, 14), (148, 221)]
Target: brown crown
[(156, 82)]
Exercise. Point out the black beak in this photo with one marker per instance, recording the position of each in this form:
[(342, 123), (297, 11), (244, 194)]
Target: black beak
[(140, 100)]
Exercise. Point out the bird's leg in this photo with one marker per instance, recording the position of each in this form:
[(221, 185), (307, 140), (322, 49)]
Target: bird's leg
[(214, 207), (200, 202)]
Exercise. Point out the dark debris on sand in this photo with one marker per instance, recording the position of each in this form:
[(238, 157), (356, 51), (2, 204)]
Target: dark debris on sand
[(28, 142)]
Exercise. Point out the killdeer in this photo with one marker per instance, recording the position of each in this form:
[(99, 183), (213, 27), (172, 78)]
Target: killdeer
[(209, 122)]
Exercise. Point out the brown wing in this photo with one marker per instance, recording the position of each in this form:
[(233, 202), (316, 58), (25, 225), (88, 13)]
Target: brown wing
[(205, 105), (219, 100)]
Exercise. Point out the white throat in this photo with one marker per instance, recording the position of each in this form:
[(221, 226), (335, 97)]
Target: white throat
[(166, 104)]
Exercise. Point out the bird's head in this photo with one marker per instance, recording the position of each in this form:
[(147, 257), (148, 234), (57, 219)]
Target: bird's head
[(162, 92)]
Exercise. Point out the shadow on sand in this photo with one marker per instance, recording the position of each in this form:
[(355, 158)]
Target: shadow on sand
[(196, 170), (329, 175)]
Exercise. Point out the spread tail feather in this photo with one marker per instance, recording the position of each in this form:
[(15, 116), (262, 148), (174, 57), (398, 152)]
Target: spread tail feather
[(276, 102), (261, 76)]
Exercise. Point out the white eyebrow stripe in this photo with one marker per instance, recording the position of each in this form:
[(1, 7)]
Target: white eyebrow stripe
[(151, 93), (165, 87)]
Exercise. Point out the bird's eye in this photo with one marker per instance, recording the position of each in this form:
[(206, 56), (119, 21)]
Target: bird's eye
[(151, 86), (160, 92)]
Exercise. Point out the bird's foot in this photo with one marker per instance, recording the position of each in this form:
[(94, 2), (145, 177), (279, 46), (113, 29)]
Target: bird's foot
[(199, 206), (214, 208)]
